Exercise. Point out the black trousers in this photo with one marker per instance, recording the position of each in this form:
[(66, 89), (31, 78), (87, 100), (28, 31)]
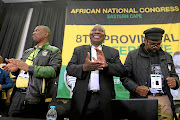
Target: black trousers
[(92, 109), (18, 108)]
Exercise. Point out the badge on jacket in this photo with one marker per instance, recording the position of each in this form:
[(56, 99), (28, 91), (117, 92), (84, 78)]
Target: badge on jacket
[(156, 82), (44, 53), (169, 67)]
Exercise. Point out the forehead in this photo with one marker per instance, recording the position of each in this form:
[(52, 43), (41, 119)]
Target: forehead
[(39, 28), (97, 27)]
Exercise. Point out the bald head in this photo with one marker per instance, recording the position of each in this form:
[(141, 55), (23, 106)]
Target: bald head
[(46, 28), (41, 35)]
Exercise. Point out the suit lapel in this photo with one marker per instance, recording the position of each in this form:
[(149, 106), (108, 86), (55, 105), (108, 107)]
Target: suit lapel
[(105, 51), (86, 50)]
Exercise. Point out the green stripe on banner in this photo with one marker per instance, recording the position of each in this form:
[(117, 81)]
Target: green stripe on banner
[(64, 90), (121, 92)]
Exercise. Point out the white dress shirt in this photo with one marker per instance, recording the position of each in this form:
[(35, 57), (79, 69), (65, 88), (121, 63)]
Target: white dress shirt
[(94, 77)]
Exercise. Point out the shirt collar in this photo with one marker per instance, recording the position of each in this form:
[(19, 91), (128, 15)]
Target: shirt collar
[(41, 46), (100, 46)]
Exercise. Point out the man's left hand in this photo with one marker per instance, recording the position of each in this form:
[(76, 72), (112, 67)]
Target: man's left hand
[(101, 58), (171, 82), (20, 64)]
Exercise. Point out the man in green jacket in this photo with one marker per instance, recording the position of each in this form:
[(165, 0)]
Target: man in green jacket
[(152, 73), (35, 72)]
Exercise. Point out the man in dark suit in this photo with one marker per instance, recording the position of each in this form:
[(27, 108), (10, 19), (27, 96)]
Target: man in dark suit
[(94, 66)]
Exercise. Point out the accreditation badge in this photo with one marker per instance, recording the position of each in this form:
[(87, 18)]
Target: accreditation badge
[(24, 74), (156, 82), (22, 80)]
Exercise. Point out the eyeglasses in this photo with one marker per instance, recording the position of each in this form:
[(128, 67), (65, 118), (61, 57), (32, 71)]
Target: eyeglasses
[(154, 44)]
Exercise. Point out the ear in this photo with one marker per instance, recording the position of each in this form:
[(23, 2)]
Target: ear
[(46, 34), (145, 41)]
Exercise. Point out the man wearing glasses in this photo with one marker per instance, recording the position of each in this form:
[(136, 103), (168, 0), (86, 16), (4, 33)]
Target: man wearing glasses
[(152, 73)]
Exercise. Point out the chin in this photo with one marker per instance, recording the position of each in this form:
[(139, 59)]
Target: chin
[(35, 41)]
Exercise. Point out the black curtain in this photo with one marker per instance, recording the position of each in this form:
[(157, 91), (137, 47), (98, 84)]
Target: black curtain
[(51, 14), (12, 27), (2, 12)]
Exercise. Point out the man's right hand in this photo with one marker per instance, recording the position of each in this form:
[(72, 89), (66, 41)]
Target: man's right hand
[(142, 90), (90, 65)]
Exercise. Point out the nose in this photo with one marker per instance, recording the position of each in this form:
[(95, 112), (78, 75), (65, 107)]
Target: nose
[(97, 32), (156, 45)]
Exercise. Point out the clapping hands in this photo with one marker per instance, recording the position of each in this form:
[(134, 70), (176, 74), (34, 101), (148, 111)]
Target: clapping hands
[(97, 64)]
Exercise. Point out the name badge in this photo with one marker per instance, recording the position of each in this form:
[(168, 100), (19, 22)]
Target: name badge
[(24, 74), (156, 82), (22, 80)]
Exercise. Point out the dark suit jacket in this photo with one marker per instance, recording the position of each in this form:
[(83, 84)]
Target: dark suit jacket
[(75, 68)]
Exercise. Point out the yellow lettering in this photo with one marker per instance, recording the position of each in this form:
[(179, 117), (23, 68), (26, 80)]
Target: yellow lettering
[(176, 8), (105, 10), (72, 11), (126, 10), (163, 9), (109, 10)]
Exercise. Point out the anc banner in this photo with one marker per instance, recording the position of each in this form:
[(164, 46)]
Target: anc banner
[(124, 22)]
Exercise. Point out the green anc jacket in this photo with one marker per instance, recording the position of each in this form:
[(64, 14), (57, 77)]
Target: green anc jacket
[(46, 67)]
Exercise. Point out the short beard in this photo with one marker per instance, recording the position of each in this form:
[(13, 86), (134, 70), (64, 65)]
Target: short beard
[(151, 53)]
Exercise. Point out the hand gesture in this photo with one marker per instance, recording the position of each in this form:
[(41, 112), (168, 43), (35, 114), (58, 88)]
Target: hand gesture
[(142, 90), (90, 65), (100, 57), (171, 82), (14, 64), (10, 67)]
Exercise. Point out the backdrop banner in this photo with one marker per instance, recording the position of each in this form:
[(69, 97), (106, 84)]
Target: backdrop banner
[(124, 22)]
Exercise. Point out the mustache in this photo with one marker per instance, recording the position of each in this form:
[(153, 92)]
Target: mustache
[(154, 49)]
